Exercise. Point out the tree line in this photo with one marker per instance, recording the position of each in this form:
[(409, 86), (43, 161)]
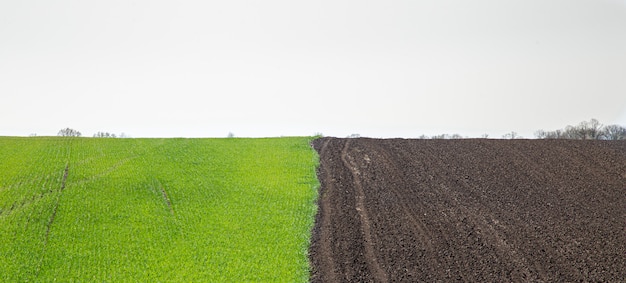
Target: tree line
[(69, 132), (585, 130)]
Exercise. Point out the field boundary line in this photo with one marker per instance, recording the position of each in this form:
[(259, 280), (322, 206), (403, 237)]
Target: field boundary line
[(325, 212)]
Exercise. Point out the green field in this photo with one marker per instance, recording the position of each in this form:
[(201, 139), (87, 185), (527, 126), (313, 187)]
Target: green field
[(150, 210)]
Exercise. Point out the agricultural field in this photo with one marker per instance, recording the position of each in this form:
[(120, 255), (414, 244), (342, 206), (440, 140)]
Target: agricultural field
[(156, 210), (472, 210)]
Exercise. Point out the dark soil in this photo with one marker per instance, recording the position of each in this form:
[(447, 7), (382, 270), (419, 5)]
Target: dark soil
[(474, 210)]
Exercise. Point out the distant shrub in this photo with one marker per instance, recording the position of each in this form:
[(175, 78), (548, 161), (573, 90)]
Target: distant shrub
[(104, 135)]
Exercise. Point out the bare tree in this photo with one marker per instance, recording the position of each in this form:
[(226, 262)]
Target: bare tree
[(614, 132), (541, 134), (581, 131), (588, 130), (512, 135), (67, 132), (558, 134), (571, 132), (594, 130)]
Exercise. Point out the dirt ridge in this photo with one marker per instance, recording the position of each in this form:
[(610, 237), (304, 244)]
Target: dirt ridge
[(372, 261)]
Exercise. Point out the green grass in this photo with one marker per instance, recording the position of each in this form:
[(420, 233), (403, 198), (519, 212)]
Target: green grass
[(150, 210)]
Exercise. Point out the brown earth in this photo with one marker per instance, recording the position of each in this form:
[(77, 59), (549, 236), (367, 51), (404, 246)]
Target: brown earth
[(474, 210)]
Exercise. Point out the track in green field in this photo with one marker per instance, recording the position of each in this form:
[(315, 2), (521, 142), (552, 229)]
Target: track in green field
[(87, 209)]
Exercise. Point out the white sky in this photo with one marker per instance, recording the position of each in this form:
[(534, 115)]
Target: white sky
[(269, 68)]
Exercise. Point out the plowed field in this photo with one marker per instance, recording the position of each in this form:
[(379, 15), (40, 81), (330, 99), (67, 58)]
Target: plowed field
[(470, 210)]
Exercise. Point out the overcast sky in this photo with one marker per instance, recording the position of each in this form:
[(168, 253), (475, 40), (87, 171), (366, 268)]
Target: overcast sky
[(270, 68)]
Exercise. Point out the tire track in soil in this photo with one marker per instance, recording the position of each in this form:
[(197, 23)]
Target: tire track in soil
[(66, 172), (52, 217), (166, 198), (470, 210), (370, 255), (393, 169), (56, 205), (474, 213)]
